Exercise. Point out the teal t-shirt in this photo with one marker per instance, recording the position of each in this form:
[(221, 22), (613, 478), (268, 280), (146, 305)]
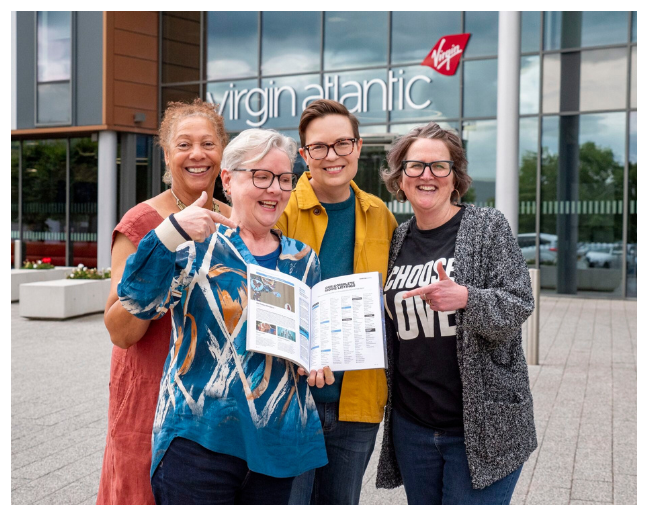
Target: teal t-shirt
[(336, 259)]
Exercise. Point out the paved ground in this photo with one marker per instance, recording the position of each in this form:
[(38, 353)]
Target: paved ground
[(585, 396)]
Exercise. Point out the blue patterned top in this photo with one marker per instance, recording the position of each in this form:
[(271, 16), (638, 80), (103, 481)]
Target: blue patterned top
[(249, 405)]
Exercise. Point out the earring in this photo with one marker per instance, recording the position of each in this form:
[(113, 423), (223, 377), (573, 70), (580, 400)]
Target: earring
[(400, 196)]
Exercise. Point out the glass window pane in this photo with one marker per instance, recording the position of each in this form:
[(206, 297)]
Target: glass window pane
[(186, 92), (235, 99), (180, 46), (355, 39), (401, 129), (483, 27), (604, 28), (603, 78), (54, 103), (530, 31), (83, 201), (408, 45), (529, 84), (480, 88), (633, 78), (291, 42), (232, 44), (143, 168), (631, 251), (480, 143), (562, 29), (551, 83), (552, 30), (442, 92), (364, 93), (15, 193), (54, 36), (285, 99), (634, 26), (44, 200), (527, 185)]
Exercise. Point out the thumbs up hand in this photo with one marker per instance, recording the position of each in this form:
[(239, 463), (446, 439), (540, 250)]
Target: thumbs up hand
[(199, 222), (443, 295)]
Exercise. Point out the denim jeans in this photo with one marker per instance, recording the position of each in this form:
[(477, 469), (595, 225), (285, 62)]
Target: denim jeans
[(189, 474), (348, 447), (435, 470)]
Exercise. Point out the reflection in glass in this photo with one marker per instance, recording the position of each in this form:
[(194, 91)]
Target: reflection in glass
[(604, 28), (529, 84), (407, 28), (401, 129), (480, 143), (180, 46), (483, 27), (83, 201), (232, 44), (442, 91), (54, 37), (235, 99), (633, 78), (54, 102), (530, 31), (355, 39), (373, 129), (602, 79), (15, 194), (286, 96), (372, 158), (551, 83), (527, 185), (364, 93), (291, 42), (631, 250), (44, 200), (480, 88), (143, 168), (634, 26), (552, 30)]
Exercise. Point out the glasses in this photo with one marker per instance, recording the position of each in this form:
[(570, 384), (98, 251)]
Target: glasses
[(416, 168), (264, 178), (321, 150)]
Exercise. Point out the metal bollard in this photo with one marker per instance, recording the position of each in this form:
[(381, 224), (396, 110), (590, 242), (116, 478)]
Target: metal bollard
[(531, 327), (17, 254)]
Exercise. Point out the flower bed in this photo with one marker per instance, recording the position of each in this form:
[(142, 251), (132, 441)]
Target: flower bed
[(82, 272)]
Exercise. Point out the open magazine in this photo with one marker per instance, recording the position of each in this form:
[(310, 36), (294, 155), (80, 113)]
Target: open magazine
[(338, 323)]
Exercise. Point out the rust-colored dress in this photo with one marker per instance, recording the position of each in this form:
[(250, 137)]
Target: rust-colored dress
[(135, 375)]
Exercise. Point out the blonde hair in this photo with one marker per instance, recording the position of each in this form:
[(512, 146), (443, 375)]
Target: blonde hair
[(177, 111)]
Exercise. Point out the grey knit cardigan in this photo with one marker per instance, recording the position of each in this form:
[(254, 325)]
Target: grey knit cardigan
[(499, 429)]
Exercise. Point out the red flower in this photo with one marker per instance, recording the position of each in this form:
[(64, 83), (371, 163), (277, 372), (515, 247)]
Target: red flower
[(47, 260)]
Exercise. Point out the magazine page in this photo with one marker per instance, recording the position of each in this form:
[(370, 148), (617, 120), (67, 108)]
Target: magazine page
[(347, 321), (278, 315)]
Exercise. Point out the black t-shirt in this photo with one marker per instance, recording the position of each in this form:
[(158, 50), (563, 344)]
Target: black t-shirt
[(427, 385)]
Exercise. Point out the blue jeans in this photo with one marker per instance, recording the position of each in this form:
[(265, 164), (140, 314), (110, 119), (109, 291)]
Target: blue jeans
[(435, 470), (189, 474), (348, 447)]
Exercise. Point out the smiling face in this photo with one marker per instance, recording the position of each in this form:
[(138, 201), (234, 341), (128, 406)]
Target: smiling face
[(331, 176), (193, 157), (258, 209), (428, 194)]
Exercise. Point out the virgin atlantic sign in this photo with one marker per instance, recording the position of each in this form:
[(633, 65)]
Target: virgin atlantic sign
[(445, 56)]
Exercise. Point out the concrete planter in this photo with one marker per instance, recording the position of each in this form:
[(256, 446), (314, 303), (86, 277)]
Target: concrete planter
[(20, 276), (596, 279), (60, 299)]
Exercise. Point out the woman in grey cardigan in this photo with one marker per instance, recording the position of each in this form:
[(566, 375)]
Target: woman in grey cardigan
[(459, 420)]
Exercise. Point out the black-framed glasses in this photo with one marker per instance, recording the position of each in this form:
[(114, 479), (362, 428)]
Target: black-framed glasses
[(413, 168), (321, 150), (264, 178)]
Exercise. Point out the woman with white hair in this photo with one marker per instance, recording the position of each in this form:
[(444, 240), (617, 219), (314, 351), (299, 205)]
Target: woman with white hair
[(231, 427)]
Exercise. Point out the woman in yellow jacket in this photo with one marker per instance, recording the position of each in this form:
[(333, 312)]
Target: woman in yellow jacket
[(351, 232)]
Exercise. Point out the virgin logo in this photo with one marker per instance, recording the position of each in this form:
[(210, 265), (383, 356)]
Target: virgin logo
[(445, 56)]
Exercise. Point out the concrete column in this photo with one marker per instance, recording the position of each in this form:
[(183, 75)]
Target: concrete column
[(508, 117), (107, 190)]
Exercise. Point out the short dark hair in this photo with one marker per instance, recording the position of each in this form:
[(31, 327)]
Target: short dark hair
[(433, 131), (321, 108)]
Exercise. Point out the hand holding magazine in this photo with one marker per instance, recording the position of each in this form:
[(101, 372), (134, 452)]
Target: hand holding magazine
[(338, 323)]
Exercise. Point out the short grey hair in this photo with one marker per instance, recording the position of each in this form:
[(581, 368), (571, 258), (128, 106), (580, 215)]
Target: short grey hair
[(252, 145)]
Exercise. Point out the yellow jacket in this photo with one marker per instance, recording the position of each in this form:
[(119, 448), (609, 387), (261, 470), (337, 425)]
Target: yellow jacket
[(364, 393)]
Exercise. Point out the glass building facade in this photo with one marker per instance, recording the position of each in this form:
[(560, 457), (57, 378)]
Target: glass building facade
[(577, 122)]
